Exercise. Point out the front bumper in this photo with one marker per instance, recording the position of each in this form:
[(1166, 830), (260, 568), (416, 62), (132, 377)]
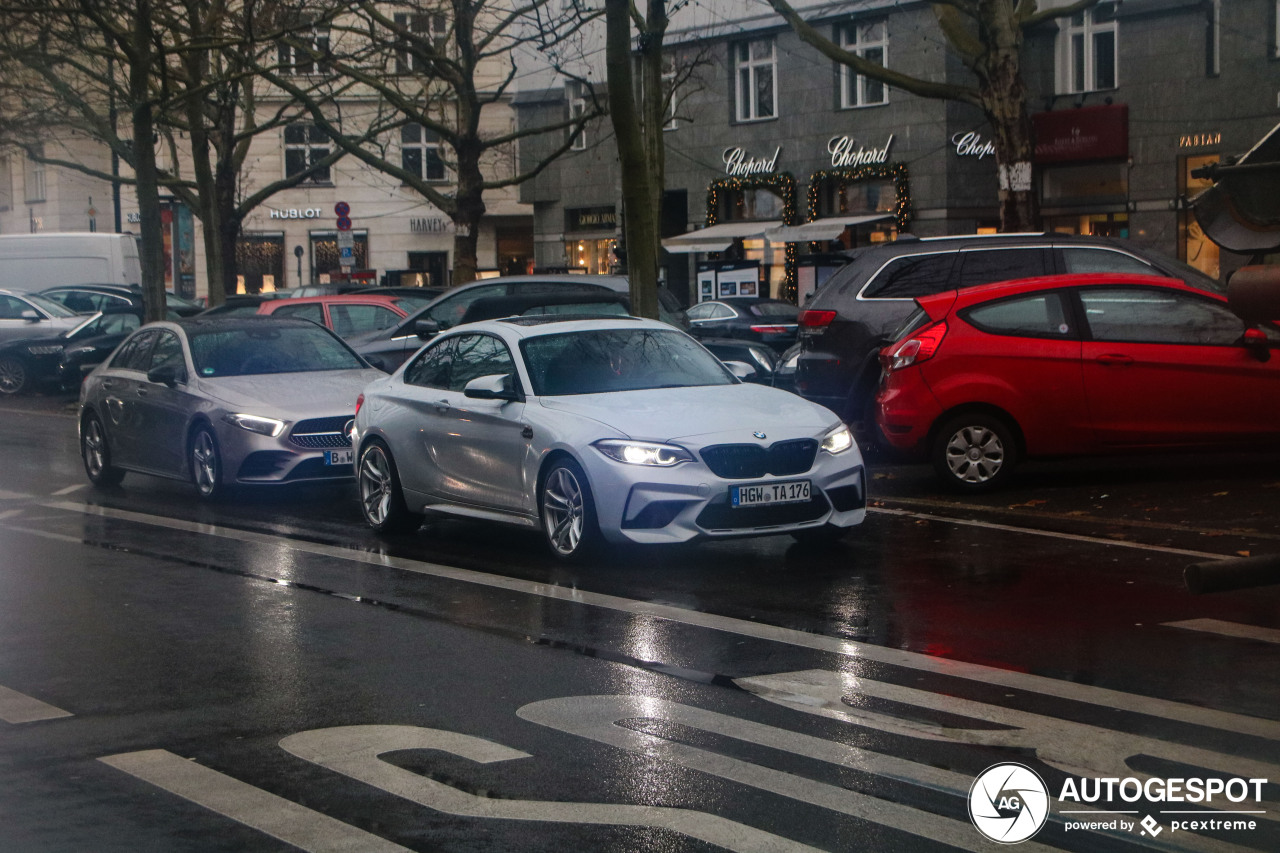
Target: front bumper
[(297, 455), (689, 501)]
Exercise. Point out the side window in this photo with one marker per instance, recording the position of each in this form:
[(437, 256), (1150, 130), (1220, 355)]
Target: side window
[(167, 350), (11, 309), (432, 366), (911, 276), (1041, 315), (476, 356), (312, 311), (723, 312), (449, 311), (1103, 260), (135, 352), (701, 311), (1146, 315), (991, 265), (354, 319), (116, 324)]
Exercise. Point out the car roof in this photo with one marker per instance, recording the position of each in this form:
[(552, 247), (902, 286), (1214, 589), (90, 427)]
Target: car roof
[(614, 282), (232, 322), (986, 292), (554, 324), (339, 298)]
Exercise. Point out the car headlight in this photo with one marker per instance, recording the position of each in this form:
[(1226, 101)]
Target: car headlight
[(643, 452), (255, 423), (838, 440), (78, 352), (45, 350), (790, 363)]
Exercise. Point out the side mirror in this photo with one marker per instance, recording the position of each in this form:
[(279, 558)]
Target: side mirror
[(497, 387), (426, 329), (740, 369), (1255, 341), (167, 374), (30, 315)]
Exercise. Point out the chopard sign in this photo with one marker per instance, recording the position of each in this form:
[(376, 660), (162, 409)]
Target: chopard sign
[(738, 164), (972, 144), (846, 152)]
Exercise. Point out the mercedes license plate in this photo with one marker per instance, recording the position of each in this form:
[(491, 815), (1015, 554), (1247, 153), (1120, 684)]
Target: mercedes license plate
[(766, 494), (339, 457)]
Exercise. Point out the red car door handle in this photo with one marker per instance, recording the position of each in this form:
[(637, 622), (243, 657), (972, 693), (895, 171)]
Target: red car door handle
[(1115, 359)]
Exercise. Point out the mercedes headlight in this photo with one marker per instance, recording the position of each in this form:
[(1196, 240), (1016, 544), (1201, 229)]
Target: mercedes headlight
[(49, 349), (838, 440), (643, 452), (255, 423)]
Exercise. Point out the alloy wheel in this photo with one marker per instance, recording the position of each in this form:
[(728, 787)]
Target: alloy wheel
[(563, 512), (376, 489), (13, 375)]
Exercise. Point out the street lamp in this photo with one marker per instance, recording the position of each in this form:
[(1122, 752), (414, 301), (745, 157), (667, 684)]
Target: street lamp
[(297, 253)]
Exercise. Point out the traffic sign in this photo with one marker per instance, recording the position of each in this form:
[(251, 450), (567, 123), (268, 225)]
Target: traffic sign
[(342, 208), (344, 223)]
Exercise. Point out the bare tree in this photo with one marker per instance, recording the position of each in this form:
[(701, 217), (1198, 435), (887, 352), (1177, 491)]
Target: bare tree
[(987, 36), (439, 69)]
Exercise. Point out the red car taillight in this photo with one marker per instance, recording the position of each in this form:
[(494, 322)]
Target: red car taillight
[(815, 322), (919, 347), (769, 330), (359, 403)]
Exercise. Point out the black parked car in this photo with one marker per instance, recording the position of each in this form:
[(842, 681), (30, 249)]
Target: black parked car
[(90, 298), (65, 358), (388, 348), (766, 321), (853, 315)]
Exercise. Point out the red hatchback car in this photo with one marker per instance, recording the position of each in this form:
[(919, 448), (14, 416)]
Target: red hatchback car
[(346, 314), (1074, 364)]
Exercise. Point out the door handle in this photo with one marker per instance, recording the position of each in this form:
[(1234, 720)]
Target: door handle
[(1115, 358), (142, 392), (442, 406)]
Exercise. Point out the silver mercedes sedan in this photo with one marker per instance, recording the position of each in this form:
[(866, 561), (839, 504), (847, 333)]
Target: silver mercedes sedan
[(222, 401), (607, 429)]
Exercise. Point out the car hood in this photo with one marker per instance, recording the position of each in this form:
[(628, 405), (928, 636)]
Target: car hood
[(701, 413), (292, 396)]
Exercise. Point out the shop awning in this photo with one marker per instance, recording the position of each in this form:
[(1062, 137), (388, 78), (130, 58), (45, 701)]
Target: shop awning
[(718, 237), (821, 229)]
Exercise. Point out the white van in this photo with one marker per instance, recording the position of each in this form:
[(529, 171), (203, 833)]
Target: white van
[(35, 261)]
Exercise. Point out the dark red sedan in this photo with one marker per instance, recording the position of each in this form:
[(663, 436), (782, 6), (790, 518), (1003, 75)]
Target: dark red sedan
[(1074, 364)]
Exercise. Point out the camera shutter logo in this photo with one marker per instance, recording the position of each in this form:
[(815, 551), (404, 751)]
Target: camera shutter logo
[(1008, 803)]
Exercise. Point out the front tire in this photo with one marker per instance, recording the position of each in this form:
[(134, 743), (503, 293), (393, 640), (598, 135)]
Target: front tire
[(974, 452), (96, 455), (568, 511), (14, 376), (206, 464), (381, 497)]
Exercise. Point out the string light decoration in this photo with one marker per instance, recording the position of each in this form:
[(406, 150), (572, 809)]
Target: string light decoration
[(896, 172), (783, 184)]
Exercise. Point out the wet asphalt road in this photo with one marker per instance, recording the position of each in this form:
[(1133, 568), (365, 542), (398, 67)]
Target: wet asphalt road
[(748, 695)]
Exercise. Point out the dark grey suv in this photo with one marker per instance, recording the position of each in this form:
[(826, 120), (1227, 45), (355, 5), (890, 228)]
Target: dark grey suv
[(856, 312)]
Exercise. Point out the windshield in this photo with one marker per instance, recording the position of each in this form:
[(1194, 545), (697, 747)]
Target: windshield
[(48, 306), (269, 348), (594, 362)]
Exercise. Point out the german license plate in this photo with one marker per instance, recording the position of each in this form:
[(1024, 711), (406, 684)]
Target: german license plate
[(339, 457), (767, 494)]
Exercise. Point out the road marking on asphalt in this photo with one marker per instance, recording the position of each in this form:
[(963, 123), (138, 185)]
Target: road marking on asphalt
[(284, 819), (1228, 629), (1051, 534), (10, 513), (13, 496), (597, 718), (354, 751), (69, 489), (19, 708), (1099, 696)]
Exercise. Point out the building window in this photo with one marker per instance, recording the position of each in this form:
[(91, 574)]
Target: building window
[(299, 55), (35, 189), (420, 28), (6, 184), (669, 80), (576, 91), (420, 153), (304, 146), (755, 66), (1194, 247), (1088, 51), (869, 40)]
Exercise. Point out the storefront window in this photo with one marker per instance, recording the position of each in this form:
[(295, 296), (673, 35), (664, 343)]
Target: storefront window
[(591, 256), (750, 204), (1092, 224), (1193, 246), (772, 258), (260, 259)]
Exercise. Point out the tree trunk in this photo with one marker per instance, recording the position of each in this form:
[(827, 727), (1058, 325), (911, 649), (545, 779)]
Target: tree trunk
[(1004, 101), (640, 223), (143, 120)]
